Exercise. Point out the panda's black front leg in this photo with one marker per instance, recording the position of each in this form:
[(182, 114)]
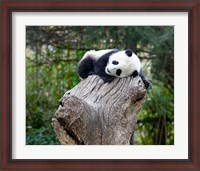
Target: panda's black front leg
[(145, 81), (99, 69), (106, 78)]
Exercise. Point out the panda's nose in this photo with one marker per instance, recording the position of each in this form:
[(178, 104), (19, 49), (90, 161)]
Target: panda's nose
[(118, 72), (129, 52)]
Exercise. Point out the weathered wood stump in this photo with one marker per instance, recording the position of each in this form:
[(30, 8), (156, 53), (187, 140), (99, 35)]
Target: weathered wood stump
[(94, 112)]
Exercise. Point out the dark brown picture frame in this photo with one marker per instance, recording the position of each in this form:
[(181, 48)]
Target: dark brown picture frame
[(10, 6)]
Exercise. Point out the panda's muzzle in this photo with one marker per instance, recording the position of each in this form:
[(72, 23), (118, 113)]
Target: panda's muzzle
[(118, 72), (108, 70)]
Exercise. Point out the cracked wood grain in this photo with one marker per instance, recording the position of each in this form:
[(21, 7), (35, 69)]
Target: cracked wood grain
[(98, 113)]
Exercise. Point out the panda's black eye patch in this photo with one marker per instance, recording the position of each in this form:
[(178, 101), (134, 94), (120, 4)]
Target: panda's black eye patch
[(115, 62)]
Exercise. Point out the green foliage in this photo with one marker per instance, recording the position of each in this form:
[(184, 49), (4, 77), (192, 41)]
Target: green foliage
[(45, 85), (155, 124), (41, 136), (52, 55)]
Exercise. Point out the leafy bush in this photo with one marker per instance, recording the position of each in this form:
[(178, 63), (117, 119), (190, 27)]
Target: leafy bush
[(41, 136), (156, 119)]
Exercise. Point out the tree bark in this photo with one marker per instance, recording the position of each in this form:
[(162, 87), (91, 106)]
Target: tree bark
[(98, 113)]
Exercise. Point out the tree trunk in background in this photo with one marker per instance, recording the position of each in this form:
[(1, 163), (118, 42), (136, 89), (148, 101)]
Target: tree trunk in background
[(94, 112)]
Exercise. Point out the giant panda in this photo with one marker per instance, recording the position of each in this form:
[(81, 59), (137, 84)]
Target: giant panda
[(111, 63)]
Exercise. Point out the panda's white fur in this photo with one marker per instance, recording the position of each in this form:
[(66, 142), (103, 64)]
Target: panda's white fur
[(96, 54)]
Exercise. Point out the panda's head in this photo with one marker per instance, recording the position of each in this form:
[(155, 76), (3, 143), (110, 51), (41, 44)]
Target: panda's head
[(123, 64)]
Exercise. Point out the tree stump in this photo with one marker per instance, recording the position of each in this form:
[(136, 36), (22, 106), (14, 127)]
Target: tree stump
[(98, 113)]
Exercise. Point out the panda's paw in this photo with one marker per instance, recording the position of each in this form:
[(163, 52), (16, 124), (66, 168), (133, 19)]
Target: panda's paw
[(146, 83)]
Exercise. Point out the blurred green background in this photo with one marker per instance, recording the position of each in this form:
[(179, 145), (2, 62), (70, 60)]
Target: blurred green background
[(52, 55)]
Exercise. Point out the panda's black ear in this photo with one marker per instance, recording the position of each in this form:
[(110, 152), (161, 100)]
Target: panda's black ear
[(129, 52)]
